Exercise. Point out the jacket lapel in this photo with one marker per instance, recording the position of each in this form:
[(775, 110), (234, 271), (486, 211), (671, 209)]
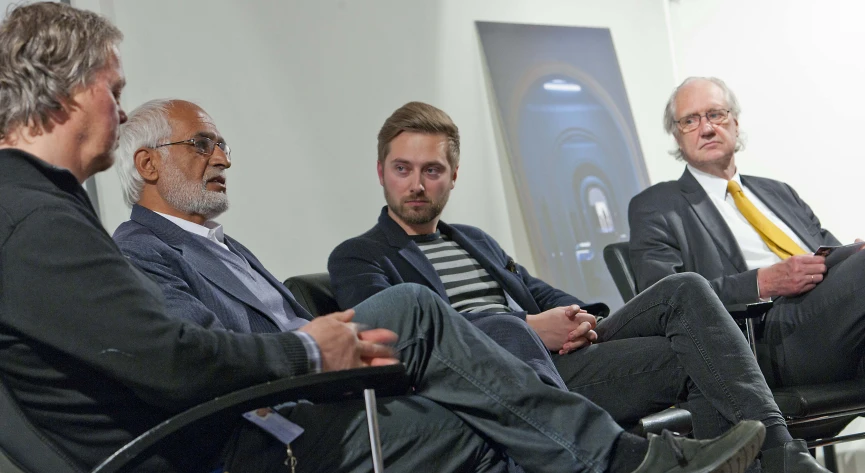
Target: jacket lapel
[(410, 252), (199, 256), (712, 220), (783, 211), (256, 265)]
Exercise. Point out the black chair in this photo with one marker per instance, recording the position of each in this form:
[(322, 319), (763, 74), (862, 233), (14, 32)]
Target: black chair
[(314, 293), (816, 413), (30, 451)]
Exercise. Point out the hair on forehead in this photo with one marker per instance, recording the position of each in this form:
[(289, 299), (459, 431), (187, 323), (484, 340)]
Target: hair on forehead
[(419, 117)]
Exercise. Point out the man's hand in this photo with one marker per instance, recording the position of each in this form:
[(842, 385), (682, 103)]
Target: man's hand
[(564, 329), (791, 277), (343, 347)]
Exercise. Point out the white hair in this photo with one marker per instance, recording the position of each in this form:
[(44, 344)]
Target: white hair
[(670, 111), (146, 127)]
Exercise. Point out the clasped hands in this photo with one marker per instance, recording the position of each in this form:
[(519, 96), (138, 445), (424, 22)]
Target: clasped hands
[(564, 329), (344, 345)]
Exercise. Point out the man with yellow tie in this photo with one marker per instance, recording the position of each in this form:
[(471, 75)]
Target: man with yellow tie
[(753, 238)]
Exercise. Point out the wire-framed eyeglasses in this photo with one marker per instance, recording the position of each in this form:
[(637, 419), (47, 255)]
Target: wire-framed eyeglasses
[(692, 122), (203, 145)]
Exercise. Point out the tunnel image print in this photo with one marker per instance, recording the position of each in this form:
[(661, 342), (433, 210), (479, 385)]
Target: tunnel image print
[(571, 144)]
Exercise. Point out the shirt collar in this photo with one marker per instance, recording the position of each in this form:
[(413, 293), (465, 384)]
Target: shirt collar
[(210, 230), (713, 185)]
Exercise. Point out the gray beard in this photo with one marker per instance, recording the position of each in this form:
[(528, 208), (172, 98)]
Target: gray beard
[(192, 197)]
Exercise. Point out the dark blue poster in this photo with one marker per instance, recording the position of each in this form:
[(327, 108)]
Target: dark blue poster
[(572, 146)]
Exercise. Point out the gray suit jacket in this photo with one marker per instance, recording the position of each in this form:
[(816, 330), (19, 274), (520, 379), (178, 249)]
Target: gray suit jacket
[(196, 284), (675, 227)]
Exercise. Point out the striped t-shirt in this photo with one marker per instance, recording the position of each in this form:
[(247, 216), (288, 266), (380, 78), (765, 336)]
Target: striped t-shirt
[(468, 286)]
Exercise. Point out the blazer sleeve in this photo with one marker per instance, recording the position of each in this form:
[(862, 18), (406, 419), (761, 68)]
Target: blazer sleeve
[(181, 301), (825, 237), (356, 275), (656, 253), (545, 296), (75, 293)]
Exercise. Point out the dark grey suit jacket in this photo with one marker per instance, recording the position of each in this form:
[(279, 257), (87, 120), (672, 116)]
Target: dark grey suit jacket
[(675, 227), (197, 286)]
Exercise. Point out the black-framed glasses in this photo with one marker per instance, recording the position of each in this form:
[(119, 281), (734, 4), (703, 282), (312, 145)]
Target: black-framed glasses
[(692, 122), (203, 145)]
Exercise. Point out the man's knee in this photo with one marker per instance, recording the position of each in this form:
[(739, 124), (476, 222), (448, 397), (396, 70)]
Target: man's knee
[(506, 324), (410, 290), (686, 282)]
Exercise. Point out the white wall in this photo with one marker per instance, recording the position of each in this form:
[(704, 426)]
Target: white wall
[(798, 70), (300, 89)]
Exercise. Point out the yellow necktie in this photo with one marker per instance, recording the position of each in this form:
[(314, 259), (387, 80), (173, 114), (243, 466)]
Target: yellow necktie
[(778, 241)]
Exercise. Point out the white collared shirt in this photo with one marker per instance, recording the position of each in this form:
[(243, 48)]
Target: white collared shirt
[(210, 230), (755, 251)]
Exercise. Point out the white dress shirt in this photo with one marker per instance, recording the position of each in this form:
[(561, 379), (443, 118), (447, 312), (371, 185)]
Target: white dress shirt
[(210, 230), (755, 251)]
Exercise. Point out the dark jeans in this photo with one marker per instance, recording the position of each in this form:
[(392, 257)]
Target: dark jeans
[(497, 397), (673, 343), (416, 435), (817, 337)]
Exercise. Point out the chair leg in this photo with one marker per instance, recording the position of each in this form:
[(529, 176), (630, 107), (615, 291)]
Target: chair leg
[(372, 424), (830, 459), (751, 335)]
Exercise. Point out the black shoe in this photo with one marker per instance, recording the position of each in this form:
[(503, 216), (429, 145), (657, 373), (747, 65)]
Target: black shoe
[(729, 453), (792, 457)]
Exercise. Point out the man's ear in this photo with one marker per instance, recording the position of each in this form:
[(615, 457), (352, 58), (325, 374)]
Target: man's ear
[(146, 165), (380, 168), (454, 176)]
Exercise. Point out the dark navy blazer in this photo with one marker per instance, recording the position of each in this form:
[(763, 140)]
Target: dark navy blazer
[(385, 256), (196, 284)]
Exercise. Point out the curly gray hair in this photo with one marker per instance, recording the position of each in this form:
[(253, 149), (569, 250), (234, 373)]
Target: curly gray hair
[(48, 51), (670, 111)]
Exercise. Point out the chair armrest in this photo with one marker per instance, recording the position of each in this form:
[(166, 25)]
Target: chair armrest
[(322, 387), (748, 311)]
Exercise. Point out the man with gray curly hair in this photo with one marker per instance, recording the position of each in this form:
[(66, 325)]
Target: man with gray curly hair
[(60, 92), (754, 239)]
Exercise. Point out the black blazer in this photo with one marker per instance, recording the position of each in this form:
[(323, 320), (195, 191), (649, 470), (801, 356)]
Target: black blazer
[(675, 227), (385, 256)]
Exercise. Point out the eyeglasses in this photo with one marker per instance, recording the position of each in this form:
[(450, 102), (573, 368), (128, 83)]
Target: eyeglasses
[(203, 145), (692, 122)]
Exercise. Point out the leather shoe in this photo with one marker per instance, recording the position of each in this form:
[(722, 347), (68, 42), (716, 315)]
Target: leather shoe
[(729, 453), (792, 457)]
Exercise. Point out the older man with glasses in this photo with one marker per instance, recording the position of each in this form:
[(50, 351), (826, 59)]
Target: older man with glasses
[(754, 239)]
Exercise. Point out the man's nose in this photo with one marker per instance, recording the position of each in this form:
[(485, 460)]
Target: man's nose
[(706, 127), (417, 182), (219, 158)]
